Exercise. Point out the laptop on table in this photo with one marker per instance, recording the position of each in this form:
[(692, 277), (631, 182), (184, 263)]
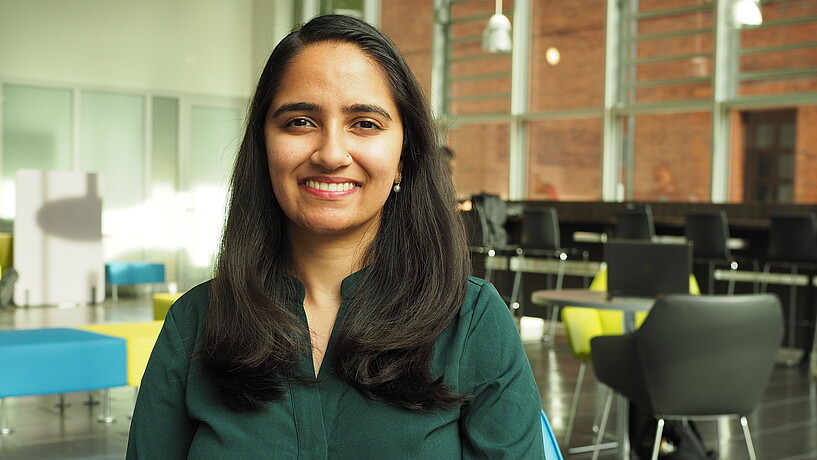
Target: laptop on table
[(637, 268)]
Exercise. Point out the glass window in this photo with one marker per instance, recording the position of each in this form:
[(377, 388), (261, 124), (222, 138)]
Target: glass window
[(480, 158), (780, 56), (567, 55), (165, 156), (564, 160), (668, 51), (348, 7), (671, 157), (36, 135), (112, 143), (478, 82), (215, 134), (161, 237)]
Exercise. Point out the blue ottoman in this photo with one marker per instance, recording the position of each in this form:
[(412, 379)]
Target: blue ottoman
[(118, 273), (48, 361)]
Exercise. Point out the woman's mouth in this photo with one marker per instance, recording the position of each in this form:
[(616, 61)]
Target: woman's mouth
[(330, 186)]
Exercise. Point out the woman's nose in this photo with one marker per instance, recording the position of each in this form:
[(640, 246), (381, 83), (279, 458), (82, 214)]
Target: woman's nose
[(332, 153)]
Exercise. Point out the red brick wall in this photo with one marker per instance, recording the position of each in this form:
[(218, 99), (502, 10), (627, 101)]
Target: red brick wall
[(480, 158), (737, 141), (410, 25), (564, 160), (577, 30), (672, 151), (671, 157), (805, 161)]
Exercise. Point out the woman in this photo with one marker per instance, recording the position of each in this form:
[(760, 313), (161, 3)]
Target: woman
[(341, 322)]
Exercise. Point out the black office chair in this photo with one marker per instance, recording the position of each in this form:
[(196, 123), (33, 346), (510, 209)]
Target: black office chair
[(709, 231), (541, 237), (635, 223), (694, 357), (792, 244), (485, 229)]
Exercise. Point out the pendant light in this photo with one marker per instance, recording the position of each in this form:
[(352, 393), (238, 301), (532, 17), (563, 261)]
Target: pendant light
[(497, 35)]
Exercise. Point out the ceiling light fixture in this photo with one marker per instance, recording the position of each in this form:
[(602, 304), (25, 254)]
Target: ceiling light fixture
[(746, 13), (497, 35)]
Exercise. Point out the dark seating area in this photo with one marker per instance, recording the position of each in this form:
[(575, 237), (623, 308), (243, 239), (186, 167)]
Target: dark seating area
[(587, 225)]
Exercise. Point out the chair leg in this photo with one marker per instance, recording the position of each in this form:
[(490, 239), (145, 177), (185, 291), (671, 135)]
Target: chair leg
[(489, 265), (4, 423), (574, 406), (560, 275), (517, 285), (658, 433), (106, 416), (711, 265), (551, 334), (585, 278), (792, 308), (597, 411), (755, 268), (603, 425), (766, 268), (749, 445), (62, 404), (731, 290)]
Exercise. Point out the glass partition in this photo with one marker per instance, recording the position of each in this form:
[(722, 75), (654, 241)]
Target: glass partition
[(112, 142), (36, 135), (214, 137)]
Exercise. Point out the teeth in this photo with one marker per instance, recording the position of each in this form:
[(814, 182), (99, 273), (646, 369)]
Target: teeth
[(330, 187)]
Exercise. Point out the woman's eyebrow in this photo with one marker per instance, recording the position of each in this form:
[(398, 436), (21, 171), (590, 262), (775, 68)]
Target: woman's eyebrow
[(367, 108), (296, 107)]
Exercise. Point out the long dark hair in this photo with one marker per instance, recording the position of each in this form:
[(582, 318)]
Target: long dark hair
[(417, 264)]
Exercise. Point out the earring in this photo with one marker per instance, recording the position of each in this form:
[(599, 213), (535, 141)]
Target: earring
[(396, 187)]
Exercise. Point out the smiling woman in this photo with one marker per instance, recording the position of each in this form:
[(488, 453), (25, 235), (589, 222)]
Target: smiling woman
[(341, 322), (333, 146)]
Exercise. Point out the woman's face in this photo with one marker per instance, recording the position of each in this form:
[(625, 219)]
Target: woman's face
[(334, 138)]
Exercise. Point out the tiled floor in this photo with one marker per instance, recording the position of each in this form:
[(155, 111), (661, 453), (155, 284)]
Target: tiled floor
[(784, 427)]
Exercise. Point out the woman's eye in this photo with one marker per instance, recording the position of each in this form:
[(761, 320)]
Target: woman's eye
[(300, 123), (366, 124)]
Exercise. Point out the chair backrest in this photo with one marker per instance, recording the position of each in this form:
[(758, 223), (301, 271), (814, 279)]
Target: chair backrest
[(540, 228), (581, 325), (552, 451), (793, 238), (709, 232), (493, 213), (473, 227), (635, 224), (709, 355)]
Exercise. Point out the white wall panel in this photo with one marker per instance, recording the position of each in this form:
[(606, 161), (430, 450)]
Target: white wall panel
[(58, 238)]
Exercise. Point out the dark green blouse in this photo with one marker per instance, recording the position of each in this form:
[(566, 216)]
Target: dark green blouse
[(177, 415)]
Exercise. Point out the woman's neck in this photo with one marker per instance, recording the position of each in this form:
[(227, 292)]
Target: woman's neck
[(322, 262)]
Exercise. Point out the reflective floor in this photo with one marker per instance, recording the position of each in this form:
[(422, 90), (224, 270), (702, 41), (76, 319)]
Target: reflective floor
[(783, 427)]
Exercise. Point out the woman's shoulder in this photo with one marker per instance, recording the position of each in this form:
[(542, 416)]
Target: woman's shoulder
[(192, 305), (482, 298)]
